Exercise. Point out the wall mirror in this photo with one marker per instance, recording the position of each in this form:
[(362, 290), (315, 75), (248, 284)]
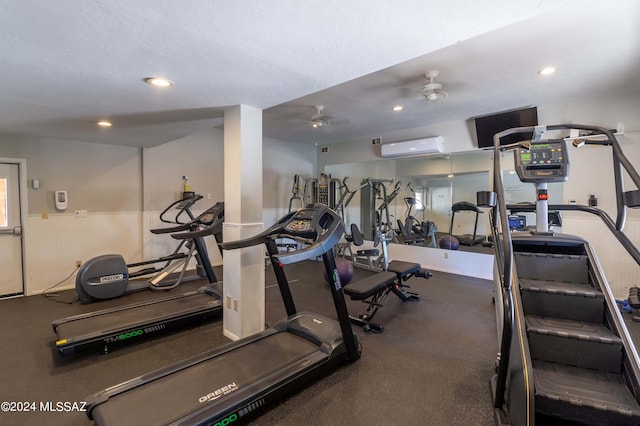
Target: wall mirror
[(424, 191)]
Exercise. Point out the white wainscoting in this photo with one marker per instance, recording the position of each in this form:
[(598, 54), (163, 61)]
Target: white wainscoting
[(476, 265), (53, 245)]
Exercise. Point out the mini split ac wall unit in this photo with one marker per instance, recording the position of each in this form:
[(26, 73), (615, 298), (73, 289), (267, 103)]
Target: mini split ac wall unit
[(415, 147)]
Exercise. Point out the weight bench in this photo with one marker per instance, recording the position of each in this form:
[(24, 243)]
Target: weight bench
[(374, 289)]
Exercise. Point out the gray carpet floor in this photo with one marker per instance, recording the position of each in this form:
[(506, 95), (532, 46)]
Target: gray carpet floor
[(431, 366)]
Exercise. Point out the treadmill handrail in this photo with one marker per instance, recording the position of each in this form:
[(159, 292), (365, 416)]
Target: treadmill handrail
[(216, 212), (316, 249), (259, 238), (188, 202), (465, 206), (212, 229)]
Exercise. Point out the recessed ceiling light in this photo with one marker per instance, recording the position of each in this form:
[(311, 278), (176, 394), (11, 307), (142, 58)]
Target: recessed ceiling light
[(158, 81), (547, 70), (104, 123), (397, 108)]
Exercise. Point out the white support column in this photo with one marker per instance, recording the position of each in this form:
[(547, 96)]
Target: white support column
[(243, 271)]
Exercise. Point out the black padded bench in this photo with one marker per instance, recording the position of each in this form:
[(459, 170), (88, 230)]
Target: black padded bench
[(367, 287), (374, 290), (406, 270)]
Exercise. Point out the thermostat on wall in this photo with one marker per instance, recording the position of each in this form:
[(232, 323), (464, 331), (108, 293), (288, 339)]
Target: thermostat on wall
[(61, 200)]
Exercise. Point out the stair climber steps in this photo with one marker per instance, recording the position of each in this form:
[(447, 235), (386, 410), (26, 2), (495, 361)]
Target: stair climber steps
[(576, 343), (549, 266), (560, 299), (583, 395)]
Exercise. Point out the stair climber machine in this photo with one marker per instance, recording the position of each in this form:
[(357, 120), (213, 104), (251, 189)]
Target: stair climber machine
[(229, 384), (565, 354), (132, 323), (108, 276)]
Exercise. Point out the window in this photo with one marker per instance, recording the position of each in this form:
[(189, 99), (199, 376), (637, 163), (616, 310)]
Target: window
[(4, 220), (419, 195)]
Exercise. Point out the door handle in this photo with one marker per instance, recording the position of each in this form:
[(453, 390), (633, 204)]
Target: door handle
[(12, 231)]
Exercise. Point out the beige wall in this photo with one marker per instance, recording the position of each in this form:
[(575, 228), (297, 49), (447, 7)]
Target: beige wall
[(123, 190), (97, 177), (199, 156)]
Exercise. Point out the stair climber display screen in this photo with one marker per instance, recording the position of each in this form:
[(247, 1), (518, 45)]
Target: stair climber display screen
[(545, 161)]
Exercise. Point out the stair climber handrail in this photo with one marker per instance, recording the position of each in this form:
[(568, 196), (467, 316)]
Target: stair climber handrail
[(504, 246), (619, 322), (504, 261)]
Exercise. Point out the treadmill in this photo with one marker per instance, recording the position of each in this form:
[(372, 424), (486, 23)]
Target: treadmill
[(235, 381), (122, 325), (467, 239)]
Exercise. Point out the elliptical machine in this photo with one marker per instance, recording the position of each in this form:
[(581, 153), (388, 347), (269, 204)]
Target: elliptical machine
[(108, 276), (413, 231)]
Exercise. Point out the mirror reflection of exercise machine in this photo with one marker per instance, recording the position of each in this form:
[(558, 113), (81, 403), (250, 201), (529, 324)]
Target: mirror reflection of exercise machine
[(372, 259), (307, 190), (565, 355), (374, 218), (302, 192), (346, 195), (467, 239), (412, 231)]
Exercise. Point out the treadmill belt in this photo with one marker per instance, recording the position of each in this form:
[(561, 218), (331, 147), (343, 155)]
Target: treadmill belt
[(113, 321), (173, 396)]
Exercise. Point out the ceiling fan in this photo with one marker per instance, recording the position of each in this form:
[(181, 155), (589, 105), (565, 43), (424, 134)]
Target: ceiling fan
[(319, 120), (433, 91)]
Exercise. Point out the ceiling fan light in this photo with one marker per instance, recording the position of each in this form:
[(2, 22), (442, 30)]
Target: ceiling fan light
[(434, 96)]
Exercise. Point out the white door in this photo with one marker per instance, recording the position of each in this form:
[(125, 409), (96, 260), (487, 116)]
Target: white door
[(11, 277), (440, 207)]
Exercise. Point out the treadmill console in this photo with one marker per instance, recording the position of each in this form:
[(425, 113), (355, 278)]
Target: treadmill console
[(317, 223), (299, 226), (211, 214), (546, 161), (308, 222)]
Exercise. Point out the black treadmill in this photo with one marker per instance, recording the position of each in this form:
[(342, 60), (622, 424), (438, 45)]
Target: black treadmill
[(230, 383), (123, 325), (467, 239)]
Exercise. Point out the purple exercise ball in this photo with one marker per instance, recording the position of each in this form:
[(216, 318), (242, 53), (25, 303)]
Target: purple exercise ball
[(449, 242), (345, 271)]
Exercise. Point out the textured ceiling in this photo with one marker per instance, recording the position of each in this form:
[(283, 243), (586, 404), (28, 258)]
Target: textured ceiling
[(66, 64), (596, 48)]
